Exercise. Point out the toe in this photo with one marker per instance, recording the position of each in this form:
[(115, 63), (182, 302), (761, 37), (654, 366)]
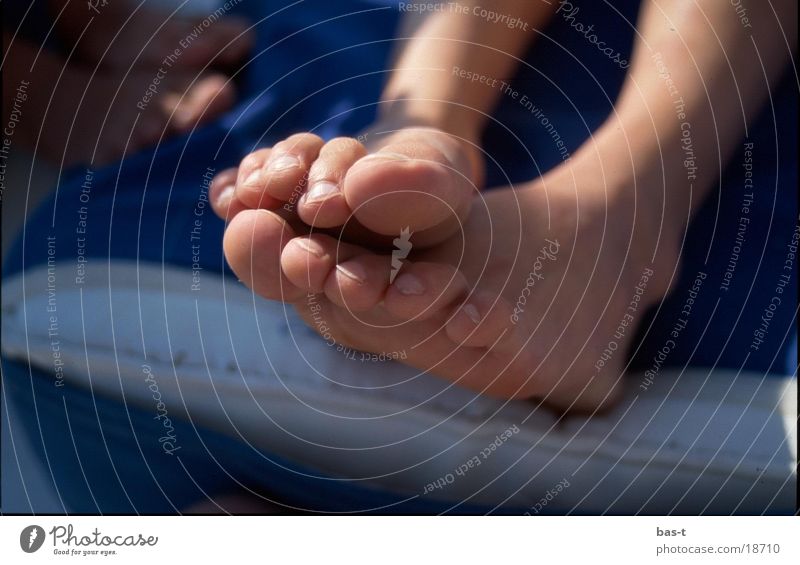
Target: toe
[(323, 205), (484, 320), (307, 261), (251, 181), (204, 99), (409, 184), (423, 290), (222, 194), (358, 284), (253, 244), (283, 171)]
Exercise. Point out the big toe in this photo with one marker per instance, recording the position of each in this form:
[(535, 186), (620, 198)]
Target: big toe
[(410, 185), (253, 244)]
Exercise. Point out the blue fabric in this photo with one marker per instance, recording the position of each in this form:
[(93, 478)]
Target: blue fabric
[(143, 208)]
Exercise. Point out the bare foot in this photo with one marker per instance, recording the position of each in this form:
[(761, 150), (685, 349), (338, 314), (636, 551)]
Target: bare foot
[(416, 180), (101, 118), (538, 296), (121, 35)]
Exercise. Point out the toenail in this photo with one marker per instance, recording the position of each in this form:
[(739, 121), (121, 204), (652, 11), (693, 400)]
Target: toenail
[(226, 195), (310, 246), (387, 155), (321, 191), (354, 271), (409, 285), (254, 179), (283, 162), (472, 313)]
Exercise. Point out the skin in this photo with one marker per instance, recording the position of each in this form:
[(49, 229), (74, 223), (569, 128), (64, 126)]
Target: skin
[(90, 116), (91, 111), (618, 210)]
